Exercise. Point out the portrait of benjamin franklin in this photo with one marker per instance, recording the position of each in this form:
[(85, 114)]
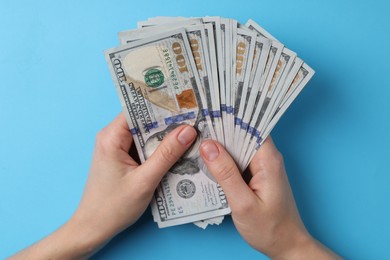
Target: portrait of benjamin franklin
[(191, 162)]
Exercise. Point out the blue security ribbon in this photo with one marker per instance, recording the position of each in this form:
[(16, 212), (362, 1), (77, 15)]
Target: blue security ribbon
[(179, 118)]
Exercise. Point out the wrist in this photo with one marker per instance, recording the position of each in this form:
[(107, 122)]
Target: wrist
[(296, 248), (85, 235), (74, 240), (289, 244), (306, 247)]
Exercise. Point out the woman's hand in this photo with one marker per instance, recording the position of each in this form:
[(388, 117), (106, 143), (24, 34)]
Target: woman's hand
[(264, 210), (117, 192)]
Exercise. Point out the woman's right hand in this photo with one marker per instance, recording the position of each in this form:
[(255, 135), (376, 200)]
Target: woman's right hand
[(264, 210)]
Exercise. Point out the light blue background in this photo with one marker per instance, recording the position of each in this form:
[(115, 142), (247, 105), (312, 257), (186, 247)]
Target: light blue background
[(56, 94)]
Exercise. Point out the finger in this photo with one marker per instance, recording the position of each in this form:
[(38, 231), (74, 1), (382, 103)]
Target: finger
[(117, 134), (269, 179), (223, 168), (167, 153), (264, 157)]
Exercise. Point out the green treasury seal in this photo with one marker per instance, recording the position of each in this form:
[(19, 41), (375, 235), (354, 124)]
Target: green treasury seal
[(154, 78)]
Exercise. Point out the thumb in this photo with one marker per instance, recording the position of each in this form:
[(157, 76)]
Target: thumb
[(172, 147), (225, 171)]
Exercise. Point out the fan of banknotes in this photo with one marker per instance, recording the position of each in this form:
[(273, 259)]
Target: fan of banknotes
[(231, 81)]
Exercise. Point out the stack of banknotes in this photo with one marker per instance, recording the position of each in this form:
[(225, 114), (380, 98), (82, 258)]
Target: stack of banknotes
[(231, 81)]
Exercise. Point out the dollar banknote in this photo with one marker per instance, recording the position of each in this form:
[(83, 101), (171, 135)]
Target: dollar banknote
[(202, 40), (252, 116), (272, 90), (299, 82), (199, 47), (157, 82), (262, 48), (231, 81), (245, 48), (216, 52), (211, 27)]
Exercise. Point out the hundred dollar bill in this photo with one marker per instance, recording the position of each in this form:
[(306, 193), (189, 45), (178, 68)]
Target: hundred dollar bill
[(300, 80), (250, 116), (245, 48), (282, 91), (212, 28), (273, 84), (216, 109), (205, 35), (215, 43), (252, 25), (148, 28), (215, 51), (285, 63), (221, 39), (210, 221), (200, 50), (262, 48), (272, 106), (269, 95), (216, 56), (169, 21), (230, 68), (220, 36), (159, 88), (197, 37)]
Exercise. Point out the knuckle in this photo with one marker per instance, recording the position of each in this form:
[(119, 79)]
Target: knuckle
[(103, 140), (101, 136), (243, 208), (167, 154), (145, 189), (278, 159), (226, 172), (273, 162)]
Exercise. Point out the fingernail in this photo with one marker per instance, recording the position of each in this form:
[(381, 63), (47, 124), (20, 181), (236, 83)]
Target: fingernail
[(210, 150), (186, 135)]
